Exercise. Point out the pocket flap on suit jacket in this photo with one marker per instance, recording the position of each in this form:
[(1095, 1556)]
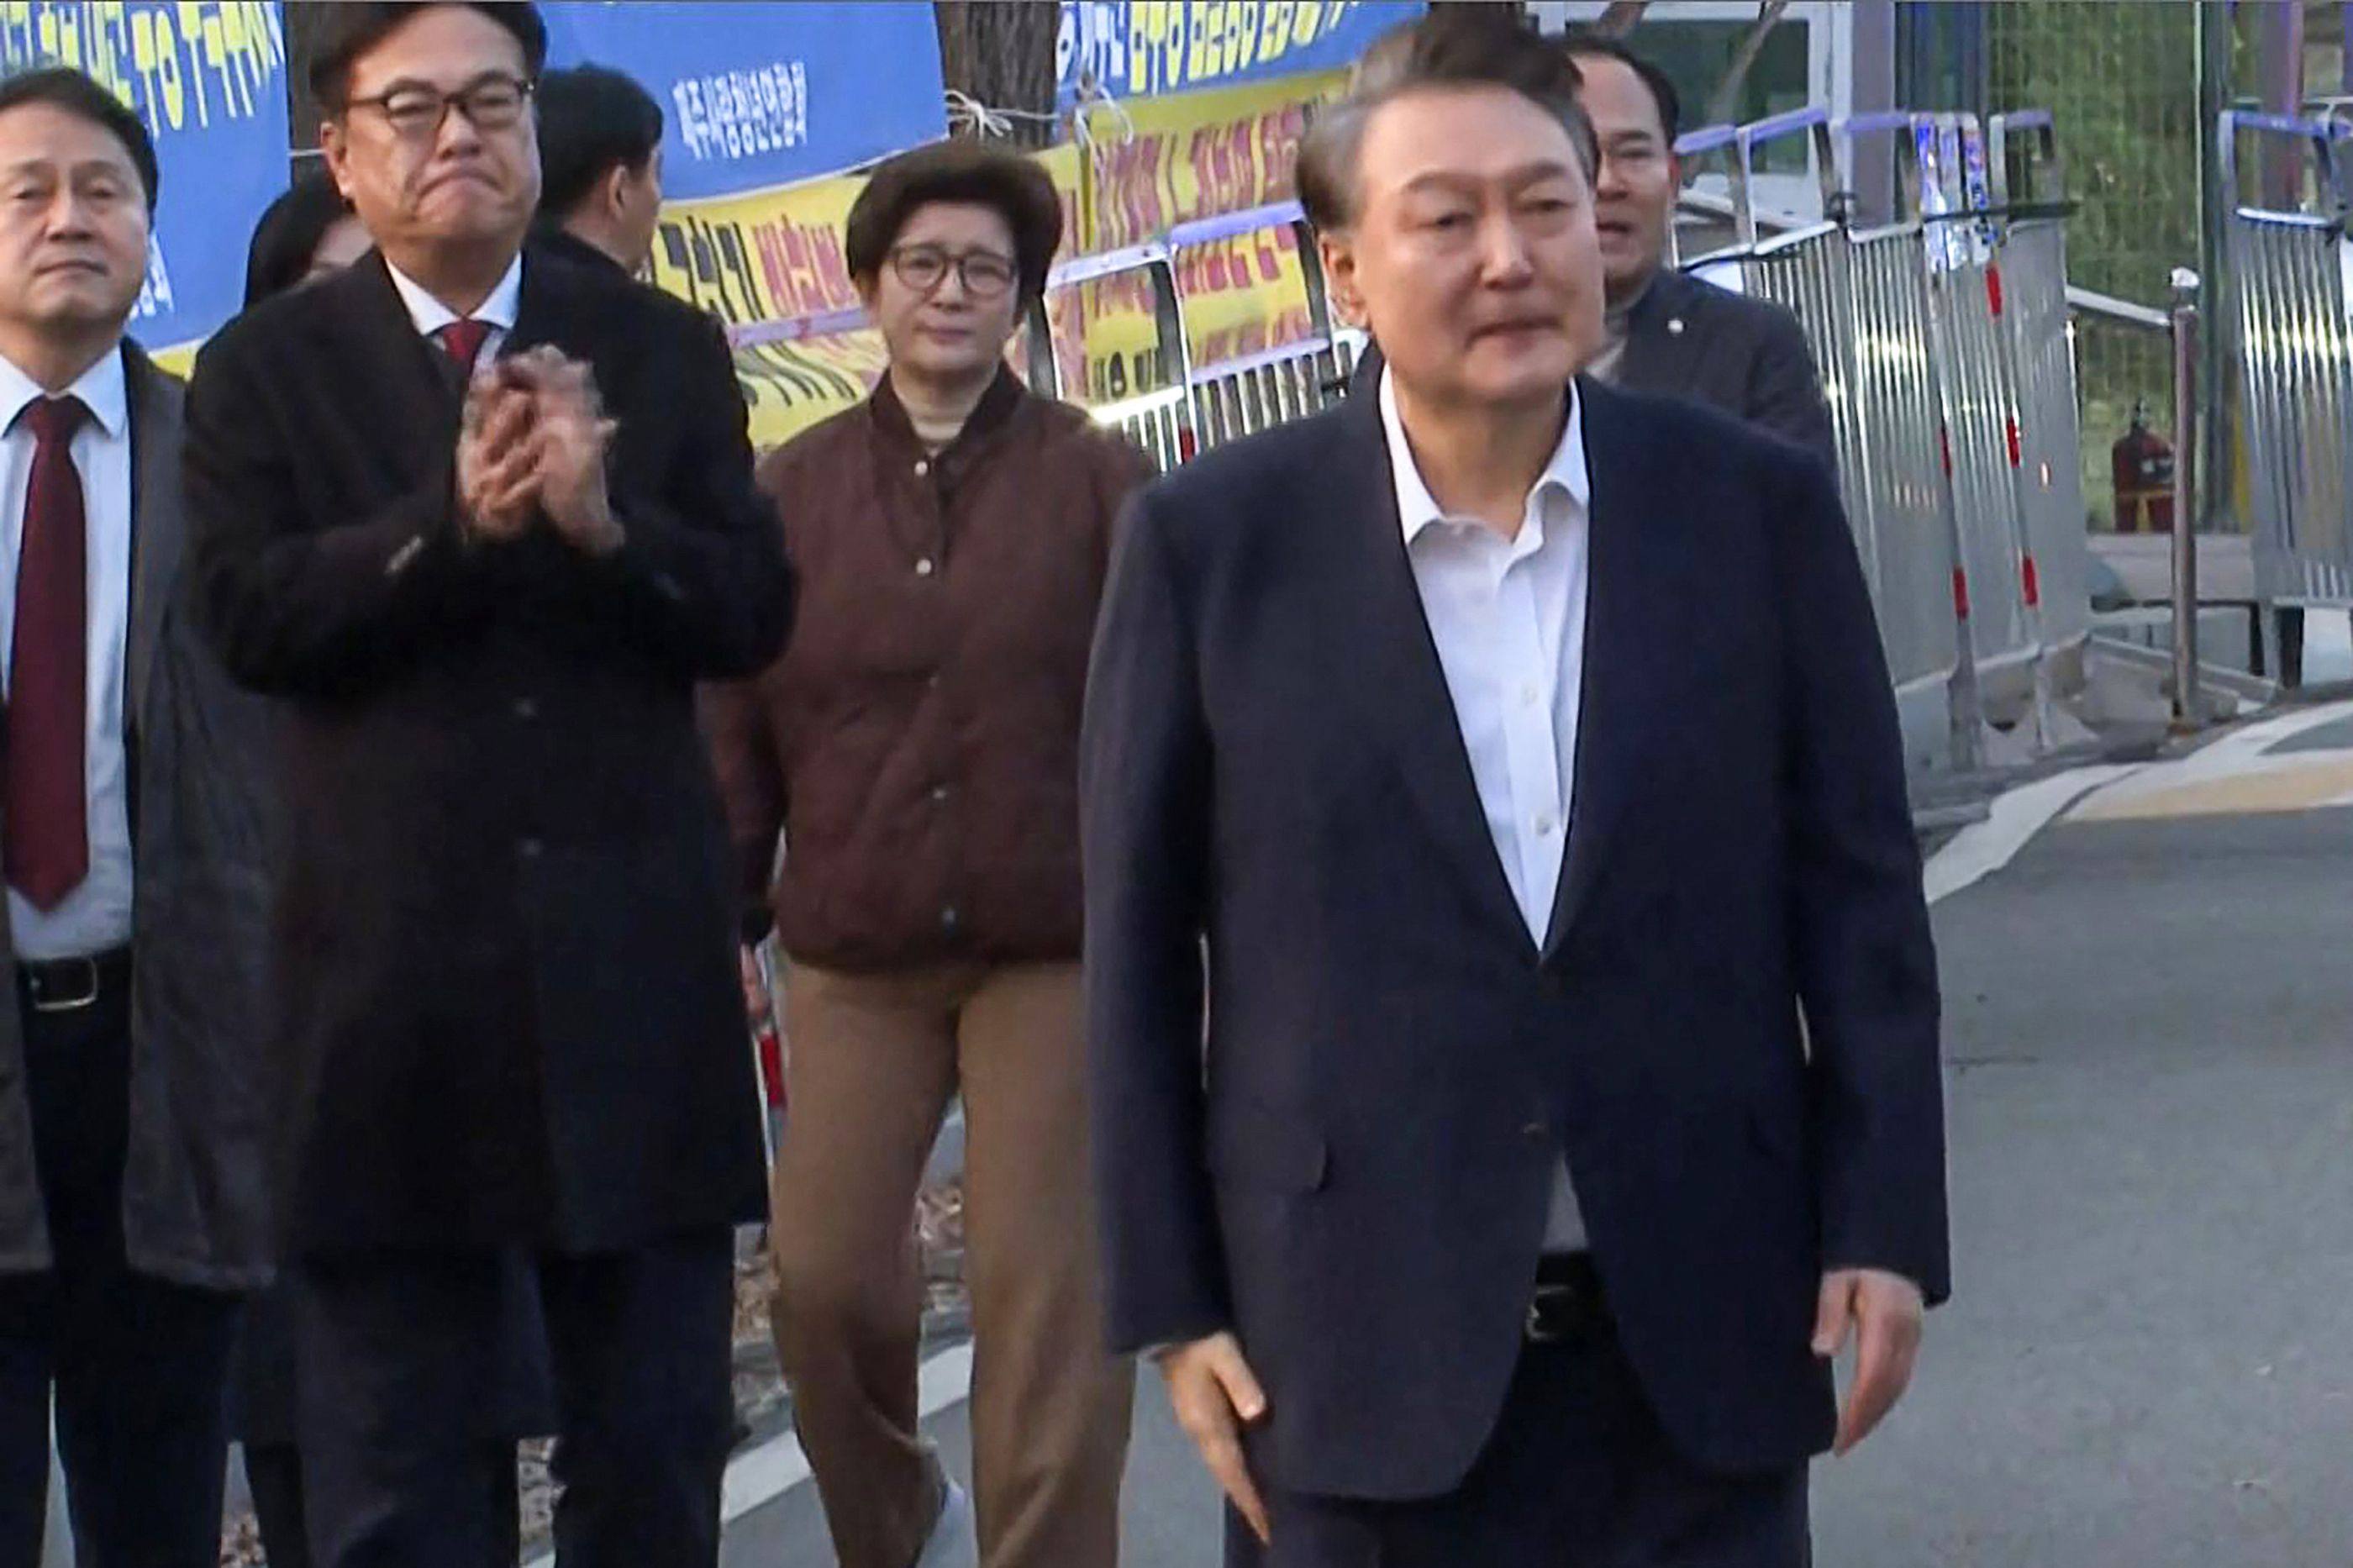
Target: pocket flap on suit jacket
[(1253, 1146)]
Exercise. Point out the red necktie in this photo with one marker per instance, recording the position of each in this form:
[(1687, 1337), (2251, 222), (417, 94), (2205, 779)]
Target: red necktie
[(462, 340), (46, 843)]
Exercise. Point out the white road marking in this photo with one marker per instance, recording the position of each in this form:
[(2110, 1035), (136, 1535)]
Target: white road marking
[(1980, 849)]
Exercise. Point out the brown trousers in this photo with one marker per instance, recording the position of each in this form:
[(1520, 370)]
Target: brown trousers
[(874, 1061)]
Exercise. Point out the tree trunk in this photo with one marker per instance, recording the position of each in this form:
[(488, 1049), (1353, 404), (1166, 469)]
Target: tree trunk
[(1511, 9), (1001, 52), (304, 20)]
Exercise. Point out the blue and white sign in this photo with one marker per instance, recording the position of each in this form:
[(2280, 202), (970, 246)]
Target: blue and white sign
[(1138, 48), (210, 82), (759, 95)]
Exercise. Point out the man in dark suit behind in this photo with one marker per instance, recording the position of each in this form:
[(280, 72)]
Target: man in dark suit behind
[(510, 1024), (600, 161), (1504, 769), (1669, 332)]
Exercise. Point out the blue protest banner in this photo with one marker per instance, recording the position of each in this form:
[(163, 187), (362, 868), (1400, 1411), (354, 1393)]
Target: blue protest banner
[(210, 82), (1138, 48), (759, 95)]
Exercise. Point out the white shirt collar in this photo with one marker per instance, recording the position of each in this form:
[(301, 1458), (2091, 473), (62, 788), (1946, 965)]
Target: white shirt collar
[(431, 315), (103, 390), (1418, 508)]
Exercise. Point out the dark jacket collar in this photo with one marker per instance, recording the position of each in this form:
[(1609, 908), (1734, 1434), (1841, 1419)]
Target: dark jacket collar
[(562, 243), (1004, 396)]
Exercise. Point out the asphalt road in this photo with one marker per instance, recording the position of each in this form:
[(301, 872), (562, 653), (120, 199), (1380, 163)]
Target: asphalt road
[(2147, 1363)]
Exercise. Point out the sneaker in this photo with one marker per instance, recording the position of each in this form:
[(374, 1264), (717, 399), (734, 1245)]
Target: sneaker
[(955, 1541)]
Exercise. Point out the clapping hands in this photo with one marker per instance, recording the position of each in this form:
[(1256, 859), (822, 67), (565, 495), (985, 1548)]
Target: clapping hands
[(532, 444)]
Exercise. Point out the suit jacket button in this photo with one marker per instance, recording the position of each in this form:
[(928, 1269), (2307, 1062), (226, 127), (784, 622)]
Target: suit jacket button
[(1536, 1132), (529, 849)]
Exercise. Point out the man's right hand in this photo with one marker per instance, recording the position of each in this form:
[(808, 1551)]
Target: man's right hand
[(497, 477), (1215, 1395)]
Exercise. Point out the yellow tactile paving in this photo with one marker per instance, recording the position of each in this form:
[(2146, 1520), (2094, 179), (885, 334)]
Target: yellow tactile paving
[(2275, 784)]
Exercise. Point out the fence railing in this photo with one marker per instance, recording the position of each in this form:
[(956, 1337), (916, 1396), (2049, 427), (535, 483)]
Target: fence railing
[(1944, 342)]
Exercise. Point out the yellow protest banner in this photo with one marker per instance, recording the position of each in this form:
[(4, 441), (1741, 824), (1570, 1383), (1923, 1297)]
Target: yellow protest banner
[(1191, 157), (766, 259), (776, 257)]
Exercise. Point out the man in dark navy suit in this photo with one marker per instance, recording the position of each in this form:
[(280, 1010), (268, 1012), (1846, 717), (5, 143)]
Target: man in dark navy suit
[(1513, 761)]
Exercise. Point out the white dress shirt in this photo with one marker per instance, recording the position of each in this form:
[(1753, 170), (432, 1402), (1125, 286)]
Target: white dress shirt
[(497, 312), (95, 916), (1508, 619)]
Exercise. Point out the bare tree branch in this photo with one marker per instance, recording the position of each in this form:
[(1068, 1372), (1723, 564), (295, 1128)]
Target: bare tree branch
[(1619, 17), (1723, 104)]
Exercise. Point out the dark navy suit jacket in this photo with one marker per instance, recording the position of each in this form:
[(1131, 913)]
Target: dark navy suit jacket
[(1687, 338), (1332, 1071)]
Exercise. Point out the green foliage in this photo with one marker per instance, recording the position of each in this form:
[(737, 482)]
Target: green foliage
[(2121, 77)]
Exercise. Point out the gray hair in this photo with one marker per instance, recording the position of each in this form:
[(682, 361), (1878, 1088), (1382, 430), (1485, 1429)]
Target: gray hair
[(1443, 50)]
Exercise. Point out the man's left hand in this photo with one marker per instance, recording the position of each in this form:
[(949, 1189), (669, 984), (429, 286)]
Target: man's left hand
[(572, 440), (1882, 1312)]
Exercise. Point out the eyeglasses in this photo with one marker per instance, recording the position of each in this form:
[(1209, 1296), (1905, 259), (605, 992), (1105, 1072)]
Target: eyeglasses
[(924, 268), (418, 113)]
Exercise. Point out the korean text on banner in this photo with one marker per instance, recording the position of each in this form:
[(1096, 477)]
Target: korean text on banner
[(771, 266), (210, 82), (760, 95), (768, 259), (1137, 48), (1191, 157)]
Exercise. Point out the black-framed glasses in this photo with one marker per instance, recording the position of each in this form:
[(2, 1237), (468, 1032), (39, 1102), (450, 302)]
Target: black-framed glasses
[(924, 268), (417, 112)]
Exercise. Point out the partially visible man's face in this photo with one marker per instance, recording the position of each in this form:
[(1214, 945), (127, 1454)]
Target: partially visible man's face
[(418, 186), (640, 193), (947, 295), (1471, 256), (1634, 194), (73, 223)]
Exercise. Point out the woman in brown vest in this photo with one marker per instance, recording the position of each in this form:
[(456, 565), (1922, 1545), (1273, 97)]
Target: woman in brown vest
[(916, 747)]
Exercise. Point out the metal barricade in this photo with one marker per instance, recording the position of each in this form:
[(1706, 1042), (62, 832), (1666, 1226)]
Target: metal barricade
[(2029, 190), (1258, 391), (1158, 418), (2288, 321), (1977, 385), (1861, 296)]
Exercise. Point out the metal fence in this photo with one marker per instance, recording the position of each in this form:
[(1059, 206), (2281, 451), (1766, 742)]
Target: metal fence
[(1945, 349), (2285, 263), (1862, 296), (1945, 352)]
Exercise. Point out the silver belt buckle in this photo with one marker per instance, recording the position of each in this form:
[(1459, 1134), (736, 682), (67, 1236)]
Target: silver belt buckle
[(47, 1001)]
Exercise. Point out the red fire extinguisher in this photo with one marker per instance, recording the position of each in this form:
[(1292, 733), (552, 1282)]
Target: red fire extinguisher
[(2141, 464)]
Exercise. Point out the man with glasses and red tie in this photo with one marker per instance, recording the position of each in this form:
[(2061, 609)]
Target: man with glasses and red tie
[(134, 835), (480, 518)]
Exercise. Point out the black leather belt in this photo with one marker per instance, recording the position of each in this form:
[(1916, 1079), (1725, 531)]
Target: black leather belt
[(70, 985), (1566, 1301)]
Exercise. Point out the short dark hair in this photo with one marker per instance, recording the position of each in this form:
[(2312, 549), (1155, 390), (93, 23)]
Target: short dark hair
[(75, 93), (287, 239), (962, 172), (1593, 43), (592, 121), (1446, 48), (351, 30)]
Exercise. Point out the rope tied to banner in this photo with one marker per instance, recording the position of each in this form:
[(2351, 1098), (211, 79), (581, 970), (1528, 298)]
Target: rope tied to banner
[(968, 115)]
